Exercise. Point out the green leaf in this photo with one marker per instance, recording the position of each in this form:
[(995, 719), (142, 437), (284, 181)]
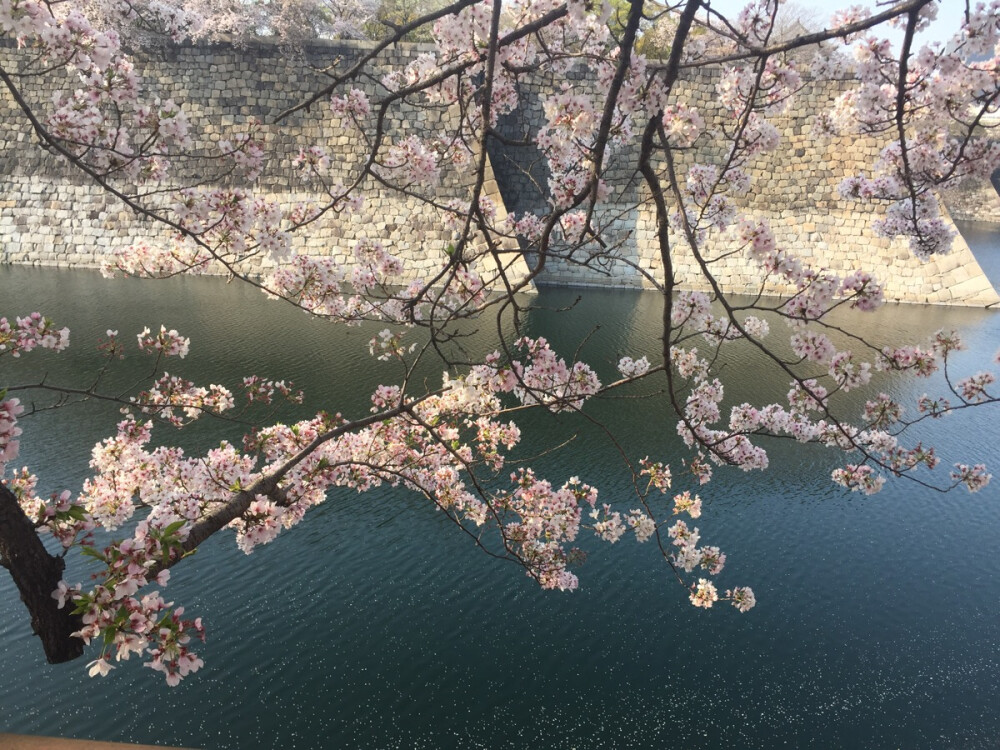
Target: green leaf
[(172, 529), (91, 552), (77, 513)]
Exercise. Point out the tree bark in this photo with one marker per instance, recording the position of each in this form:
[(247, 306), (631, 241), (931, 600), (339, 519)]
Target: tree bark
[(36, 574)]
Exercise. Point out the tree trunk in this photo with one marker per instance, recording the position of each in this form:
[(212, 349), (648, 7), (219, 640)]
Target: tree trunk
[(36, 574)]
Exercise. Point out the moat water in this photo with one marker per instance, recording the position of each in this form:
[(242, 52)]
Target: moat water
[(375, 624)]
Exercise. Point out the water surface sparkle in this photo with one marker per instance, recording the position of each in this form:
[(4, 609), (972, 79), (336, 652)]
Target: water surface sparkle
[(374, 624)]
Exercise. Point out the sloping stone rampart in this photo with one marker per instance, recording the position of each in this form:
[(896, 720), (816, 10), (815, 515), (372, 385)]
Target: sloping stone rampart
[(795, 189), (50, 215)]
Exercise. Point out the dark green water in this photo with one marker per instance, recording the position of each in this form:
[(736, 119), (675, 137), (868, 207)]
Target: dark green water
[(374, 624)]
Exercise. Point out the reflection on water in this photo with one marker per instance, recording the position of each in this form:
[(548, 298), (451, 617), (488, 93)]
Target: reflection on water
[(376, 625), (984, 241)]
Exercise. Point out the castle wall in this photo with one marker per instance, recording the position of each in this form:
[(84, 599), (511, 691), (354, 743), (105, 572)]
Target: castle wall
[(795, 189), (51, 215)]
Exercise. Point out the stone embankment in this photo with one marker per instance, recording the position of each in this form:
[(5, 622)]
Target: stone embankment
[(50, 215), (795, 189)]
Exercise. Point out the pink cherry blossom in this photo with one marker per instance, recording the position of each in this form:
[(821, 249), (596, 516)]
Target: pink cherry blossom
[(447, 440)]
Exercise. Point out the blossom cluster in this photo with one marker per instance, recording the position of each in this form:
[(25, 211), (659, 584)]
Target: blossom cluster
[(809, 415), (264, 391), (9, 431), (547, 379), (536, 520), (165, 343), (633, 368), (171, 393), (61, 515), (434, 444), (127, 624), (31, 331), (948, 89)]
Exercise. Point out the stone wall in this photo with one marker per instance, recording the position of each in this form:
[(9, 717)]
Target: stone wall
[(49, 215), (974, 202), (794, 189)]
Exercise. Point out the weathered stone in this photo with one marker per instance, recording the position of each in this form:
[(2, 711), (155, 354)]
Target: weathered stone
[(795, 189)]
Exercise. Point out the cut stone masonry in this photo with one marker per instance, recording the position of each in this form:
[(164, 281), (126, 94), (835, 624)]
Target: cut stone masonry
[(50, 215)]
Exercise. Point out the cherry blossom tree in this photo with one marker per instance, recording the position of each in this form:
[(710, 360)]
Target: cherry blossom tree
[(293, 22), (449, 441)]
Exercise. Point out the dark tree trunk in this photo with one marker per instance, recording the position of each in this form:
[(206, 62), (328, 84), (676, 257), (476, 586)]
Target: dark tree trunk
[(37, 574)]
